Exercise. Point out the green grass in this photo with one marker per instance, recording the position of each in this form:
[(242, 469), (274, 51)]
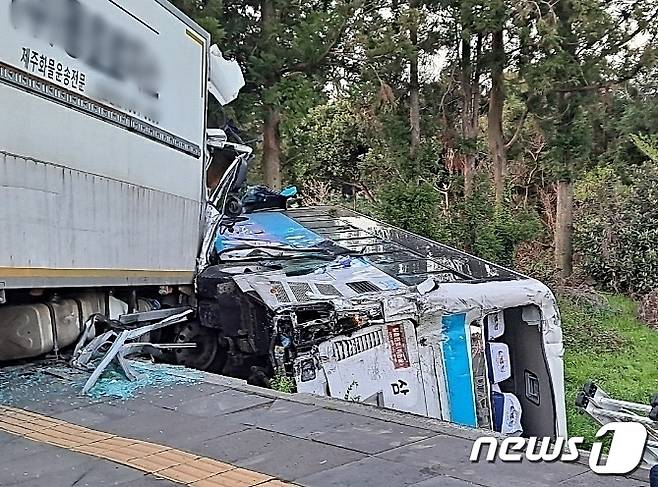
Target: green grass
[(282, 383), (610, 346)]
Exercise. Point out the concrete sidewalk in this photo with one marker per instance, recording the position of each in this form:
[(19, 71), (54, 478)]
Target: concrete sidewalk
[(309, 441)]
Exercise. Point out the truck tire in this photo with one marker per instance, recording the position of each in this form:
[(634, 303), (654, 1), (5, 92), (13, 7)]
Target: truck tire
[(207, 346)]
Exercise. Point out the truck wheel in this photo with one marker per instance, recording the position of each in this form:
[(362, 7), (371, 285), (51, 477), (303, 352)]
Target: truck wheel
[(207, 346)]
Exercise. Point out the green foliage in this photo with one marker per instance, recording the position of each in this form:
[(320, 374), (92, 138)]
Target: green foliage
[(331, 144), (631, 112), (625, 368), (475, 225), (282, 383), (283, 48), (492, 232), (617, 229), (414, 207), (648, 145), (568, 52), (349, 142), (571, 142)]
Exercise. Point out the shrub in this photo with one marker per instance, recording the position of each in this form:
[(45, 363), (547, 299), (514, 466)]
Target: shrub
[(617, 229), (474, 225), (414, 207)]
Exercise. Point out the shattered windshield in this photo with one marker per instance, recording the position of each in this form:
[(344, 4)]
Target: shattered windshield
[(312, 241)]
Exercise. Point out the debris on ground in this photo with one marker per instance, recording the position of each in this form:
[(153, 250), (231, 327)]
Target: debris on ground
[(113, 382), (113, 347), (51, 381)]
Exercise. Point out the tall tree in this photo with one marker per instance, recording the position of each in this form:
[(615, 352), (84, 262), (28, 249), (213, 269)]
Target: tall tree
[(575, 50), (275, 40), (271, 162), (414, 78), (498, 58), (469, 79), (465, 31)]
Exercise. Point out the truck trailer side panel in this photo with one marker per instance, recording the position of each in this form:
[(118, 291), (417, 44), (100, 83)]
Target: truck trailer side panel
[(61, 226), (101, 143)]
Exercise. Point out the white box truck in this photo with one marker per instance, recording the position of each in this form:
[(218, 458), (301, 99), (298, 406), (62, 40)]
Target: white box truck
[(102, 162), (101, 143)]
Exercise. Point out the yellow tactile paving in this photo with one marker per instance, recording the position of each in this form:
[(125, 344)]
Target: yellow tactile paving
[(115, 442), (84, 435), (94, 450), (143, 448), (29, 416), (54, 440), (151, 458), (29, 422), (238, 477), (193, 472), (160, 461), (11, 428)]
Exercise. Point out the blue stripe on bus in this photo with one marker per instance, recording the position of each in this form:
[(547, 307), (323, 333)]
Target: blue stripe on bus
[(457, 369)]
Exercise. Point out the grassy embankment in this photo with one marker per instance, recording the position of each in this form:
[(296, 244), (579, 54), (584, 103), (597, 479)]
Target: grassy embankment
[(610, 346)]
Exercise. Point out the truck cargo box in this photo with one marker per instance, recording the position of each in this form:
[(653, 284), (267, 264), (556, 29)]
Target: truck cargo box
[(101, 143)]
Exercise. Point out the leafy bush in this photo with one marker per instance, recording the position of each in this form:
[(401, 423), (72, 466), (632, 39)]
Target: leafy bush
[(282, 383), (414, 207), (648, 145), (493, 232), (475, 225), (332, 144), (617, 229)]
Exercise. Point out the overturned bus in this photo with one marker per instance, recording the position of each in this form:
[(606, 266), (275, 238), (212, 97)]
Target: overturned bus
[(356, 309)]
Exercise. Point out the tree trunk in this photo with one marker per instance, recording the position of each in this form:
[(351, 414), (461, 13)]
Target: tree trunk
[(497, 147), (469, 175), (467, 93), (271, 162), (567, 106), (271, 148), (414, 85), (267, 17), (564, 228), (470, 84)]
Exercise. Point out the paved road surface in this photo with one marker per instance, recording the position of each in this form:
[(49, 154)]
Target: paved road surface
[(302, 440)]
